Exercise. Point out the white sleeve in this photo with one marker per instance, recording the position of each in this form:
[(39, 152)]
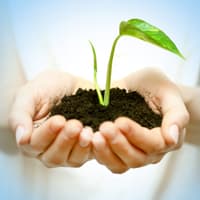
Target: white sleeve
[(30, 38), (11, 72)]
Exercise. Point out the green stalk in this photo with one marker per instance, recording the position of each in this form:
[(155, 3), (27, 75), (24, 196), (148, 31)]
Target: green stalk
[(100, 97), (109, 73), (136, 28)]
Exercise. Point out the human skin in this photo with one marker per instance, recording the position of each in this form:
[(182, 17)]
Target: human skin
[(191, 96), (56, 141), (124, 144), (119, 145)]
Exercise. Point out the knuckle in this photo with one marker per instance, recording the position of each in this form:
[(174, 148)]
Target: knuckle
[(56, 161), (64, 137), (116, 142), (156, 159), (156, 148), (74, 164), (70, 131), (52, 162), (118, 170), (136, 163)]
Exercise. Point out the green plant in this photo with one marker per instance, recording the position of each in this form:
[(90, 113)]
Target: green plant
[(136, 28)]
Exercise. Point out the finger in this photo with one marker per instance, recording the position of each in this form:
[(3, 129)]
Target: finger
[(175, 117), (59, 151), (22, 125), (154, 159), (44, 135), (129, 154), (81, 151), (105, 156), (180, 140), (20, 118), (149, 141)]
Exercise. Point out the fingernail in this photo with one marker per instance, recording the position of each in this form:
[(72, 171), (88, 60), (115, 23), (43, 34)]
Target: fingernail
[(174, 133), (19, 133), (85, 137)]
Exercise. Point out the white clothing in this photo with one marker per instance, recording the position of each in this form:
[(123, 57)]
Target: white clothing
[(42, 34)]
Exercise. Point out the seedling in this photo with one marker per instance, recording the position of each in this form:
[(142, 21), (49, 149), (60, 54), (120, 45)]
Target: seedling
[(136, 28)]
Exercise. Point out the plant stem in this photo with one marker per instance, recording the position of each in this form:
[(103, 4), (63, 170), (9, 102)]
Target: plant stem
[(100, 97), (109, 73)]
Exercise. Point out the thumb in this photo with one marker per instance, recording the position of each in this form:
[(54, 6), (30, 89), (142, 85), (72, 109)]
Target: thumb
[(21, 124), (175, 119), (21, 115)]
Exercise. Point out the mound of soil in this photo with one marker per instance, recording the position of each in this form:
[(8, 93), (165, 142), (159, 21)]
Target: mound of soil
[(84, 106)]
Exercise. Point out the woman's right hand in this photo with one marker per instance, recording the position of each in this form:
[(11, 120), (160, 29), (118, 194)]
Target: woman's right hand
[(55, 141)]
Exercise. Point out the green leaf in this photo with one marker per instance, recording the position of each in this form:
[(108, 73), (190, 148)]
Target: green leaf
[(149, 33)]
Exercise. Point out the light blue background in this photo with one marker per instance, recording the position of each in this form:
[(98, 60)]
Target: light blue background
[(64, 27)]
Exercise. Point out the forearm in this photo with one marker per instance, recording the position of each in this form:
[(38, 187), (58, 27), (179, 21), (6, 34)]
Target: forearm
[(11, 75), (191, 98), (11, 81)]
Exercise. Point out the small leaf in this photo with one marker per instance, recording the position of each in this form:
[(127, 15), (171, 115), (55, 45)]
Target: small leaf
[(94, 57), (100, 97), (149, 33)]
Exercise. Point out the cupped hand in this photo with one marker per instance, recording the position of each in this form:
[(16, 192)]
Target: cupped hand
[(124, 144), (53, 140)]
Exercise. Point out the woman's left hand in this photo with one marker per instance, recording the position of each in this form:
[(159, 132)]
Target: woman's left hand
[(125, 144)]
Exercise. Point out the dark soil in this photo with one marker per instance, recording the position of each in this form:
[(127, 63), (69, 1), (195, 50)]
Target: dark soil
[(85, 107)]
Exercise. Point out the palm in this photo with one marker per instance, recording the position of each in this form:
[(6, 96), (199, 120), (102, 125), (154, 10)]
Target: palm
[(50, 87)]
